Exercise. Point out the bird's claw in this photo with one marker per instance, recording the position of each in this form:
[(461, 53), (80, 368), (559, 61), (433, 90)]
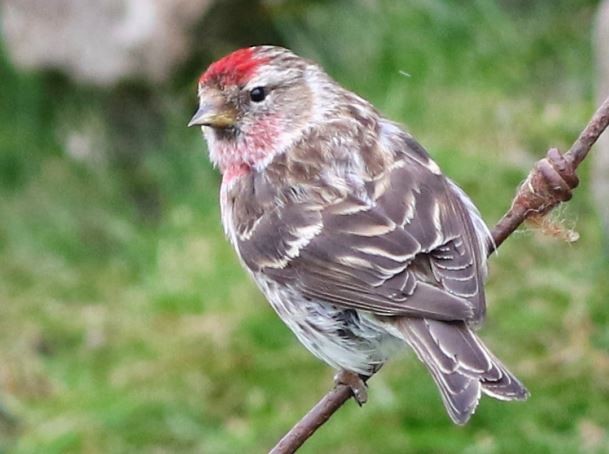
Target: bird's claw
[(355, 383)]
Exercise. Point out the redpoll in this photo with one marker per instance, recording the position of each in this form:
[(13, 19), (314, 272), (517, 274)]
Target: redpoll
[(349, 228)]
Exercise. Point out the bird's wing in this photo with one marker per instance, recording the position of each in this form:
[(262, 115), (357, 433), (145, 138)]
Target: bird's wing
[(409, 249)]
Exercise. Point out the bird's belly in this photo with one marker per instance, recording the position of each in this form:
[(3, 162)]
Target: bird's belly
[(343, 338)]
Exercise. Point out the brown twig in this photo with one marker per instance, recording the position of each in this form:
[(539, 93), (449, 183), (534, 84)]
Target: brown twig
[(314, 419), (548, 184), (534, 195)]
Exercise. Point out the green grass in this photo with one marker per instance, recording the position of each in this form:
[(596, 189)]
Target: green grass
[(126, 323)]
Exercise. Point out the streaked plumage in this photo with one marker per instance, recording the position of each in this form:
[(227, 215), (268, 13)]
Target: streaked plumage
[(349, 228)]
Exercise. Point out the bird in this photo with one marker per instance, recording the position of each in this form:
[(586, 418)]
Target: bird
[(359, 242)]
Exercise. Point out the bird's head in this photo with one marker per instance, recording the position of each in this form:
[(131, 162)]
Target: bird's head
[(253, 104)]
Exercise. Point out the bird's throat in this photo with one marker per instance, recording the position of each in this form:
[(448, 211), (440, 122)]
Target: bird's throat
[(236, 156), (235, 171)]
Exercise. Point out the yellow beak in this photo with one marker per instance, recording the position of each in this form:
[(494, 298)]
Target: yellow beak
[(214, 111)]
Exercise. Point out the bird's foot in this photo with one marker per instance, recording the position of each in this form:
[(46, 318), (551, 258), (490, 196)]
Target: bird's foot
[(355, 382)]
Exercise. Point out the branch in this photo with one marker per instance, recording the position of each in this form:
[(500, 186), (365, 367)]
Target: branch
[(313, 420), (549, 183), (551, 180)]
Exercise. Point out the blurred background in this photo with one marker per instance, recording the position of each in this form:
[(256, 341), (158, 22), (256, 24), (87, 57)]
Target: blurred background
[(126, 323)]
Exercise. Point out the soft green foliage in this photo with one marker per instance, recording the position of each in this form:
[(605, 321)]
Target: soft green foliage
[(126, 331)]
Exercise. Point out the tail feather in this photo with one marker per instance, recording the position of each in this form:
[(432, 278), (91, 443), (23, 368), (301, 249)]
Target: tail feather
[(462, 367)]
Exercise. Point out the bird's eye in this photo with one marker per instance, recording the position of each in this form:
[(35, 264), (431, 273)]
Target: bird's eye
[(257, 94)]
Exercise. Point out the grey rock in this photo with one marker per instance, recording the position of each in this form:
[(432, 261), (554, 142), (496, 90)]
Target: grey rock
[(101, 42)]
